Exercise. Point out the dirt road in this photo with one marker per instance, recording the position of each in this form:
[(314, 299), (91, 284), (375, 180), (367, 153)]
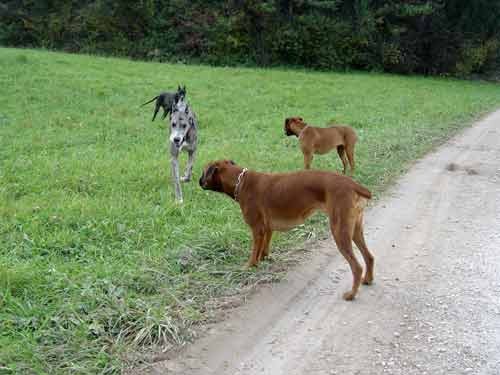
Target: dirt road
[(435, 304)]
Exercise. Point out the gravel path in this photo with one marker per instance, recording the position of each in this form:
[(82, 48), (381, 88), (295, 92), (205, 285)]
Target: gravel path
[(434, 307)]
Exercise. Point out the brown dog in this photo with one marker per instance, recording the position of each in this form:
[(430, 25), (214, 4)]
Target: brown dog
[(314, 140), (280, 201)]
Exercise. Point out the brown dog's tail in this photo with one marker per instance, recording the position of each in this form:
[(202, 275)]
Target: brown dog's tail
[(361, 190)]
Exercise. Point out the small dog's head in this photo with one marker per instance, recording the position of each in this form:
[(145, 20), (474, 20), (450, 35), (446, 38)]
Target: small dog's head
[(211, 177), (181, 123), (289, 122)]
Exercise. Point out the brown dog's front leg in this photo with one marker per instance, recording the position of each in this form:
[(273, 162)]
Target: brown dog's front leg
[(257, 242), (308, 157)]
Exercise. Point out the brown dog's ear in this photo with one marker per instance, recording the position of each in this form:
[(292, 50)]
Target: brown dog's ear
[(287, 120), (211, 171)]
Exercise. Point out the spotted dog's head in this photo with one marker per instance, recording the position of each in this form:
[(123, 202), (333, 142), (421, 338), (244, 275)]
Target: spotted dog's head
[(180, 95), (181, 122)]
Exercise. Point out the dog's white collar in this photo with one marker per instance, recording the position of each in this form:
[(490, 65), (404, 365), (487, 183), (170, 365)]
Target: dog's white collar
[(304, 128), (238, 182)]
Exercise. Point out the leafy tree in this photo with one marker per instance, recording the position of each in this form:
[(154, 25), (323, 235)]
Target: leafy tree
[(406, 36)]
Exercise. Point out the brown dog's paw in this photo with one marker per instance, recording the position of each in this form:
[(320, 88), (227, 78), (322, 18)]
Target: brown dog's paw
[(348, 296), (367, 280), (251, 264)]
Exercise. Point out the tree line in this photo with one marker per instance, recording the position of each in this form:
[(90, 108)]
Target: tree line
[(452, 37)]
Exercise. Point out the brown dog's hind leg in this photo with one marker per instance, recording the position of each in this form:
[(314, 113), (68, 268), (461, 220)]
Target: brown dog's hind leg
[(359, 240), (349, 149), (341, 234), (341, 152), (265, 244)]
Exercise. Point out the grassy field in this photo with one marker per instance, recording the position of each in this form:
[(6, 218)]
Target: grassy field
[(96, 261)]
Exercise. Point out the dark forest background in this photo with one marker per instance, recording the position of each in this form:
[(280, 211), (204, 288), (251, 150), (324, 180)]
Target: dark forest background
[(452, 37)]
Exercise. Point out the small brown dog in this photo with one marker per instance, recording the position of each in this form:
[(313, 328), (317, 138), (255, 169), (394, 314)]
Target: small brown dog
[(281, 201), (314, 140)]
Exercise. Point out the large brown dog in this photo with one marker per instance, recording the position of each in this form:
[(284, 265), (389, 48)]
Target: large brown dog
[(280, 201), (314, 140)]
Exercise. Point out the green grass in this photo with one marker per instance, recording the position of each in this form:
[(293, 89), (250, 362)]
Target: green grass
[(90, 237)]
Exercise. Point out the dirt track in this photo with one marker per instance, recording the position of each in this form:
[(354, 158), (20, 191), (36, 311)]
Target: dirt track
[(434, 307)]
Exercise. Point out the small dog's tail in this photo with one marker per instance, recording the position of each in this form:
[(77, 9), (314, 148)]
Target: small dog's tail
[(152, 100), (361, 190)]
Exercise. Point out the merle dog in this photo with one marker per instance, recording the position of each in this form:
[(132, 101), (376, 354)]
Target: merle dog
[(167, 100), (183, 136)]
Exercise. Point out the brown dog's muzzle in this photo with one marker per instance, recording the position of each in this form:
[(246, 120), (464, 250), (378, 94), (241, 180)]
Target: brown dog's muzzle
[(288, 131), (203, 182), (210, 179)]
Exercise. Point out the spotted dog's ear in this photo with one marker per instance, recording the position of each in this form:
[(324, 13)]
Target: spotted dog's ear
[(187, 110), (191, 121)]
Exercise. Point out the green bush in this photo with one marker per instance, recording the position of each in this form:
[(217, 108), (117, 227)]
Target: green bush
[(477, 58), (422, 36)]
